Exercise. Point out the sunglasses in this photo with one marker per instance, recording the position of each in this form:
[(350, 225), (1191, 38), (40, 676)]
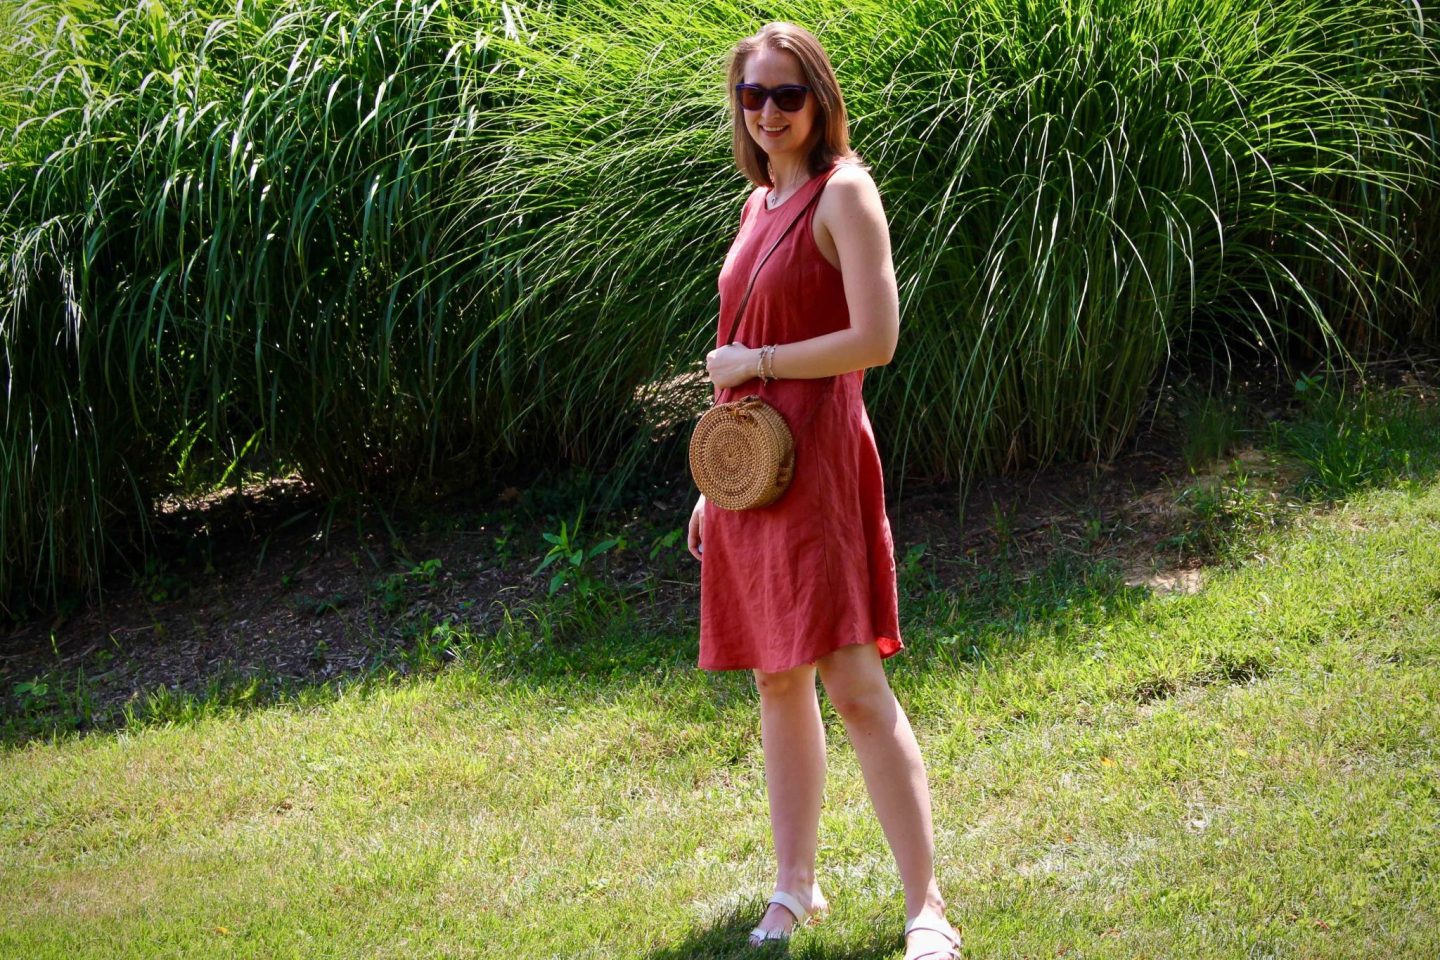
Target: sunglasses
[(788, 97)]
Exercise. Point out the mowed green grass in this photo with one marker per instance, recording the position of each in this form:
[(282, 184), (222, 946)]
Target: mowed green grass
[(1249, 771)]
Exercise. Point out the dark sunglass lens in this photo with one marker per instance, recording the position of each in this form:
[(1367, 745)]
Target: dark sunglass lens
[(750, 98), (790, 99)]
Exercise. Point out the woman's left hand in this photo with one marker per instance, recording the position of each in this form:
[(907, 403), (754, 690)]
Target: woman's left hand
[(730, 365)]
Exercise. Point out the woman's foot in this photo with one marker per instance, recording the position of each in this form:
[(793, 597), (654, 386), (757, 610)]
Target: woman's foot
[(930, 937), (785, 912)]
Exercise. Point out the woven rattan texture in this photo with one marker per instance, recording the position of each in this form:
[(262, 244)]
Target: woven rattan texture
[(742, 454)]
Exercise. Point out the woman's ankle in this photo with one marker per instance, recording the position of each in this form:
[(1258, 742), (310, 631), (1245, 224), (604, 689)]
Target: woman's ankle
[(932, 905), (798, 882)]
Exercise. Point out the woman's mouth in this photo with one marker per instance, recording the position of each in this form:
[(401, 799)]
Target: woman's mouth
[(773, 131)]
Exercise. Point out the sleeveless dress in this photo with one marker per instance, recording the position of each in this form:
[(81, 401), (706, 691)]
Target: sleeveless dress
[(786, 584)]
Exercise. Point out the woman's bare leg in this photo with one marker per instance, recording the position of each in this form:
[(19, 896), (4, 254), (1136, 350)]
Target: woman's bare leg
[(890, 761), (794, 741)]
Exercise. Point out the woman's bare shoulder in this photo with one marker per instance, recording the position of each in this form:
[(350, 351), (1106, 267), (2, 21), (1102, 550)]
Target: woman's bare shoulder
[(851, 189), (852, 172)]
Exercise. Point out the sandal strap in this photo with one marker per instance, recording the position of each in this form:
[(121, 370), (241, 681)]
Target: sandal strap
[(791, 903), (940, 926), (923, 922), (798, 910), (761, 936)]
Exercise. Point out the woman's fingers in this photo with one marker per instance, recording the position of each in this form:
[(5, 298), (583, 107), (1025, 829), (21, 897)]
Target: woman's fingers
[(697, 521), (727, 365)]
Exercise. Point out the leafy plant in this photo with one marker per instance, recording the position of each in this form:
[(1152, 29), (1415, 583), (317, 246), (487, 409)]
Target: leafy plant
[(397, 589), (1348, 441), (157, 584), (572, 558), (666, 541), (52, 702), (504, 545), (913, 576), (431, 645), (33, 695)]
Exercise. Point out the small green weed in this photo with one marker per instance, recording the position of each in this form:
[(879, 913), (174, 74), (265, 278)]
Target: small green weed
[(572, 559), (49, 703), (429, 646), (317, 606), (397, 589), (1349, 442), (1225, 516), (504, 544), (1003, 523), (914, 578), (33, 696), (665, 542)]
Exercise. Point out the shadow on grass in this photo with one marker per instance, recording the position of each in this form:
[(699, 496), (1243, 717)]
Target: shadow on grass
[(589, 647), (726, 939), (1351, 442)]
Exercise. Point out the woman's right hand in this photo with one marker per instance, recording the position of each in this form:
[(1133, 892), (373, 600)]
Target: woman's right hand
[(697, 524)]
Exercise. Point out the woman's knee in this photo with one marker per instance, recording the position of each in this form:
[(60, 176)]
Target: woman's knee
[(856, 685), (863, 704), (786, 684)]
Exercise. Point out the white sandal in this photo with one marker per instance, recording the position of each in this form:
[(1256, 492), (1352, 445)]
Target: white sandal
[(935, 925), (803, 915)]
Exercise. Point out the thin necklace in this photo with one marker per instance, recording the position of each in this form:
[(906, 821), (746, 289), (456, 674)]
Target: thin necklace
[(773, 200)]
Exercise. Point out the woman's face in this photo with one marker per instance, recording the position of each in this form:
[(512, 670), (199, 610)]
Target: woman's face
[(776, 131)]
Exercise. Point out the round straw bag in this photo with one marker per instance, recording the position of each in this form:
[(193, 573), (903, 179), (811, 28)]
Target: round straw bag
[(742, 454)]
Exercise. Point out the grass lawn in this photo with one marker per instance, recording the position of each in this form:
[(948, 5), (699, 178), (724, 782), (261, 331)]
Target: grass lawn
[(1246, 771)]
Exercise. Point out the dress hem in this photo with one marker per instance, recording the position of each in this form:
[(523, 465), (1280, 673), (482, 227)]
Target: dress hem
[(886, 646)]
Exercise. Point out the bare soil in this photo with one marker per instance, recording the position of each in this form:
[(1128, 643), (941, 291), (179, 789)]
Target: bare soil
[(255, 585)]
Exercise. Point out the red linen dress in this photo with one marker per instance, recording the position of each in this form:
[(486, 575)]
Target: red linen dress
[(786, 584)]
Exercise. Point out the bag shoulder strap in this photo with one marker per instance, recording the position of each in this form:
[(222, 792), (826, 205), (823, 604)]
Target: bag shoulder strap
[(745, 300)]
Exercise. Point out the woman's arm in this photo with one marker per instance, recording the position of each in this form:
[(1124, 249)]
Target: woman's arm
[(851, 216)]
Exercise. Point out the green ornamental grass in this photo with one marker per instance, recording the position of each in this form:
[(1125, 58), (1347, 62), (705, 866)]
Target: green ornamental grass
[(410, 246)]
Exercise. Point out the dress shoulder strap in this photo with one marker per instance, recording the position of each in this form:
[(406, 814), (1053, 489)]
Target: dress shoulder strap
[(752, 203)]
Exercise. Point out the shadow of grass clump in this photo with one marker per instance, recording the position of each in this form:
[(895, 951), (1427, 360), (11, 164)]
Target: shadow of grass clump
[(726, 939), (958, 612), (988, 611), (1354, 441)]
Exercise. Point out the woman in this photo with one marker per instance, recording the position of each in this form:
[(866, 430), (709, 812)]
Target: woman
[(807, 584)]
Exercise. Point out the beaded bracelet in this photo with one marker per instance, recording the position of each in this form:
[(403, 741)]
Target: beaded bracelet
[(765, 362)]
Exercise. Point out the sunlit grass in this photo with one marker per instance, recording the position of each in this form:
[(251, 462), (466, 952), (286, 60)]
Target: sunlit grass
[(1251, 768)]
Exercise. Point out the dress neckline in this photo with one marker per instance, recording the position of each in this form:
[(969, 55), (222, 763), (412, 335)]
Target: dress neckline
[(821, 177), (765, 201)]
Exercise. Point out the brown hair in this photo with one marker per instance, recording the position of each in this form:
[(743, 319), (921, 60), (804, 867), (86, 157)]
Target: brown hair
[(833, 141)]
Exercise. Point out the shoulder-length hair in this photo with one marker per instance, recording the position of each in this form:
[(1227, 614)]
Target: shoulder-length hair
[(833, 140)]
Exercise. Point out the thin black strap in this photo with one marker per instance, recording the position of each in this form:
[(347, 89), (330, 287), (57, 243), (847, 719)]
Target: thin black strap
[(740, 313)]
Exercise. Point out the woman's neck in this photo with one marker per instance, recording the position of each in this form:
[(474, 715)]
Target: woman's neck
[(787, 173)]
